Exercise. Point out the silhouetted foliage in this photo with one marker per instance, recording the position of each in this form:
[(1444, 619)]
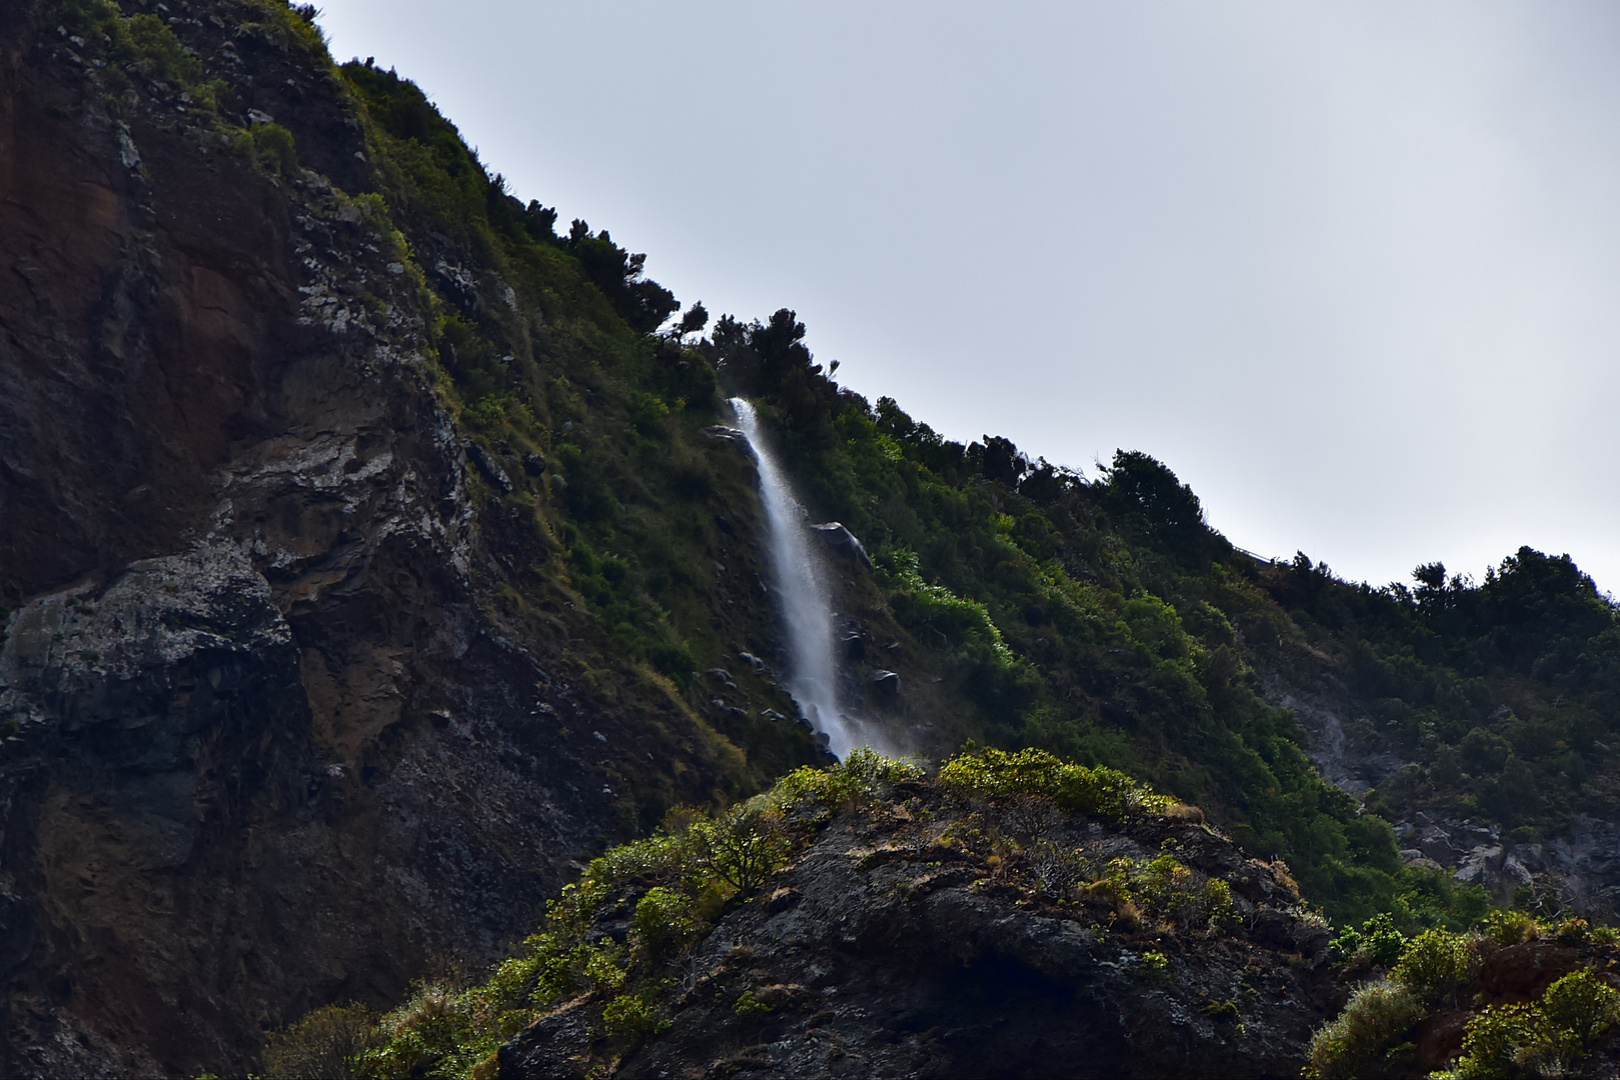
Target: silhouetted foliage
[(1152, 502), (643, 303)]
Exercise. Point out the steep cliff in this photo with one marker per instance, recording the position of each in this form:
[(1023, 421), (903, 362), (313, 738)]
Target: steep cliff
[(267, 738)]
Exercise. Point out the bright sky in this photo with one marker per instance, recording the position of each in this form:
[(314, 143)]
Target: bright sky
[(1352, 270)]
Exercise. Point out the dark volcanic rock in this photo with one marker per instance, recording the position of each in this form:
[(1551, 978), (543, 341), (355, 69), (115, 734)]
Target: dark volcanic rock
[(842, 542), (261, 744), (880, 953)]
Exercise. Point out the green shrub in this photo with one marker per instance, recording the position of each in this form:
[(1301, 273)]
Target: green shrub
[(630, 1016), (1377, 940), (1547, 1038), (159, 53), (863, 775), (1572, 931), (273, 148), (1345, 945), (1376, 1019), (330, 1041), (748, 1004), (1163, 888), (1577, 1009), (664, 921), (1495, 1043), (1508, 927), (1381, 940), (434, 1033), (920, 605), (674, 661), (1435, 964), (1102, 791), (744, 846)]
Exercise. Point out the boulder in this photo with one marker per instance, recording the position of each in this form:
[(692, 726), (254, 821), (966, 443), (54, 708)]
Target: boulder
[(842, 541), (886, 683), (486, 463), (726, 434)]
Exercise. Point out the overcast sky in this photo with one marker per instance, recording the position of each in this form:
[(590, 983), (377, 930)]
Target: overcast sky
[(1352, 271)]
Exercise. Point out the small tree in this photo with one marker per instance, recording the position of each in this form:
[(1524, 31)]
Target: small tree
[(743, 847)]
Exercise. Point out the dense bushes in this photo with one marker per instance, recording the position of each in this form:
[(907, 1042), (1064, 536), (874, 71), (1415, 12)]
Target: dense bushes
[(1098, 790), (1546, 1038), (1436, 970), (1376, 1019), (1502, 692)]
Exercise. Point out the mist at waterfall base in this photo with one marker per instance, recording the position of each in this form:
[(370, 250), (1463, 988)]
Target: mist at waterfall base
[(799, 588)]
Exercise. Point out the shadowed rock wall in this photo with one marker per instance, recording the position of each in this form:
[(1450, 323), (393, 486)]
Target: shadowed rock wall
[(261, 749)]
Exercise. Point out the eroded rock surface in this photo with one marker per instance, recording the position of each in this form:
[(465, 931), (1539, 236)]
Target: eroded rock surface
[(262, 745)]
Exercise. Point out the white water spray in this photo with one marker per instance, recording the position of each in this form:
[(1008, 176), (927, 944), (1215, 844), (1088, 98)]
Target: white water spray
[(796, 570)]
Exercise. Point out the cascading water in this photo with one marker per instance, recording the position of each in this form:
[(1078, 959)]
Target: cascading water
[(807, 614)]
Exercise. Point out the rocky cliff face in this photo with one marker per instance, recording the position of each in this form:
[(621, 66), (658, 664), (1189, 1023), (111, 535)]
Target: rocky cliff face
[(264, 742)]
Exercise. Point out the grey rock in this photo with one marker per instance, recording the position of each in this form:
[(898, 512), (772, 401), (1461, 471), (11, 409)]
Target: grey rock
[(554, 1047), (488, 466), (840, 540)]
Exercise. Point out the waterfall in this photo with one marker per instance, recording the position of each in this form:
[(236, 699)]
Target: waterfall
[(803, 598)]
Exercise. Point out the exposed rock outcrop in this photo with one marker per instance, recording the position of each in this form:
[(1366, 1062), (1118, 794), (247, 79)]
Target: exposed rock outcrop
[(264, 744), (884, 950)]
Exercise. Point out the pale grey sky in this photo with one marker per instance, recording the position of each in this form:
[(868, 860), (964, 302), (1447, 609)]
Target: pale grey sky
[(1352, 270)]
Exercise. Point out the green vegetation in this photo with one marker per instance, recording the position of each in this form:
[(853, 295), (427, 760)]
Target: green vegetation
[(1438, 970), (1370, 1030), (1099, 620), (1543, 1038), (1502, 693), (1084, 630), (140, 52), (1099, 790), (542, 349)]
